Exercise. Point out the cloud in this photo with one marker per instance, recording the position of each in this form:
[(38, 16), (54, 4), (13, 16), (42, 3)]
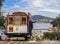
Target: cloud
[(16, 6), (8, 9), (27, 0), (47, 5), (34, 3), (36, 6), (37, 3), (51, 10), (5, 9), (52, 3)]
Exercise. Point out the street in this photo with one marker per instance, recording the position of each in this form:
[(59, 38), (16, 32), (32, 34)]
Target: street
[(29, 42)]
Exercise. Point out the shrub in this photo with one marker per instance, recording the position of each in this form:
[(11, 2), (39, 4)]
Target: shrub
[(52, 35)]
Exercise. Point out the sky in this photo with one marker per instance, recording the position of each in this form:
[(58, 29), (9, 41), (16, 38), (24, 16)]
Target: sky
[(49, 8)]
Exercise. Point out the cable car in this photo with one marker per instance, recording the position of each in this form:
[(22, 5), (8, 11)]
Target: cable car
[(18, 25)]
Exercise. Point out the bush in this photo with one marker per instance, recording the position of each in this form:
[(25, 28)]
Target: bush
[(52, 35), (37, 39)]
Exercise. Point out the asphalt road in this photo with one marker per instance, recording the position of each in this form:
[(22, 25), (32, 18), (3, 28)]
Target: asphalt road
[(29, 42)]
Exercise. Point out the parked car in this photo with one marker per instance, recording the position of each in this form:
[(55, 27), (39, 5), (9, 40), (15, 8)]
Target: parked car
[(2, 35)]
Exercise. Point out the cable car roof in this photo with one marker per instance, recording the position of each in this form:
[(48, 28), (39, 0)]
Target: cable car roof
[(18, 13)]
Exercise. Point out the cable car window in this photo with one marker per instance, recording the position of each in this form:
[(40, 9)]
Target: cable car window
[(17, 20), (10, 20), (23, 20)]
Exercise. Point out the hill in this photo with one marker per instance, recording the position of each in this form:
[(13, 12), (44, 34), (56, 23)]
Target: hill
[(38, 17)]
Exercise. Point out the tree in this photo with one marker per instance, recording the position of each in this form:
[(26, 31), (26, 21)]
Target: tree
[(56, 22), (52, 35), (1, 3), (2, 20), (1, 13)]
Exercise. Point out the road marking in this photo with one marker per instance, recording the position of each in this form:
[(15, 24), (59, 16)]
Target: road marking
[(32, 41)]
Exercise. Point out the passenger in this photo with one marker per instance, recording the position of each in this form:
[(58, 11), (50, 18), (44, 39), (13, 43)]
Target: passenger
[(5, 25), (30, 26)]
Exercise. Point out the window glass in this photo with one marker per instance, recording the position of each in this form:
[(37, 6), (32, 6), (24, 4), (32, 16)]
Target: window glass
[(17, 20), (10, 20), (10, 29), (23, 20)]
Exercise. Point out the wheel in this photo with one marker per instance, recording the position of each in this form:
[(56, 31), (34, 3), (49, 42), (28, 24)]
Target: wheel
[(26, 38), (0, 38)]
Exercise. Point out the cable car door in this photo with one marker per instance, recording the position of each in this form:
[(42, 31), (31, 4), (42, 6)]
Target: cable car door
[(17, 24), (10, 24), (23, 24)]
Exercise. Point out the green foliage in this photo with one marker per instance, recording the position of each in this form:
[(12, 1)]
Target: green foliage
[(56, 21), (1, 3), (52, 36), (2, 20), (37, 39)]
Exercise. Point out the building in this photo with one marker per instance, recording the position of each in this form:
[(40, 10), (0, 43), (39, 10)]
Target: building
[(43, 21), (41, 27)]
